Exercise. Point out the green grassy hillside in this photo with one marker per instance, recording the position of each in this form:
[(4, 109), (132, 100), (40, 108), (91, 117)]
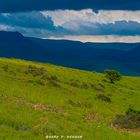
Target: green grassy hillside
[(41, 99)]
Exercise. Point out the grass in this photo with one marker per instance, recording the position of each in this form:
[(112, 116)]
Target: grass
[(42, 99)]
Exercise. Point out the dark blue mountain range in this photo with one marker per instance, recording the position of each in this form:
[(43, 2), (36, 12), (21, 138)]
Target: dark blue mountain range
[(124, 57)]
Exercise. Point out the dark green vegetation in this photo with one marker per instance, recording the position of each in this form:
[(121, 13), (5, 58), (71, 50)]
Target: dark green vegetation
[(41, 99), (112, 76), (131, 119), (104, 98)]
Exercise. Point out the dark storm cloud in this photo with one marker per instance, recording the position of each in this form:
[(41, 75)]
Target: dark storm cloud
[(27, 20), (30, 24), (31, 5), (36, 24)]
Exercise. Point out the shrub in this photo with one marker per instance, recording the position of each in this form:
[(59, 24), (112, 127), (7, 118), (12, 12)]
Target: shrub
[(99, 88), (84, 85), (54, 78), (5, 68), (40, 82), (12, 72), (80, 104), (131, 119), (112, 76), (101, 85), (74, 103), (104, 98), (74, 84), (35, 71), (50, 77), (132, 111), (91, 117), (55, 84)]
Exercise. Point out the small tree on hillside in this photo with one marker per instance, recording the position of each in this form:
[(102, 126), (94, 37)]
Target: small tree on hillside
[(113, 75)]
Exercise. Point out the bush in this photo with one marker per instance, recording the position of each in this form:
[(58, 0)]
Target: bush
[(50, 77), (112, 76), (131, 119), (80, 104), (104, 98), (91, 117), (35, 71), (54, 78), (132, 111), (40, 82), (74, 84), (55, 84), (84, 85), (5, 68), (100, 87)]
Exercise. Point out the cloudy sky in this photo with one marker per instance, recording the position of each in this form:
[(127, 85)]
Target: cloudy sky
[(83, 20)]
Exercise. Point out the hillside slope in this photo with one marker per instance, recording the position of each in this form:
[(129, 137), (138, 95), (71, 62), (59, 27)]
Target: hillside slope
[(42, 99)]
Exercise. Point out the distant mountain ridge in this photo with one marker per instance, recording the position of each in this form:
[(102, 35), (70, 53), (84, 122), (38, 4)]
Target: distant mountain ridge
[(114, 45), (75, 54), (93, 50)]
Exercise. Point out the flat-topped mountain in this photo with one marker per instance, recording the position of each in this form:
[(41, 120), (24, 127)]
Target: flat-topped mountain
[(89, 56)]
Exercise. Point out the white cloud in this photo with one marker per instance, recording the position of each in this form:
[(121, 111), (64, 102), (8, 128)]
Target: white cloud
[(61, 17), (84, 25), (105, 38), (5, 28)]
